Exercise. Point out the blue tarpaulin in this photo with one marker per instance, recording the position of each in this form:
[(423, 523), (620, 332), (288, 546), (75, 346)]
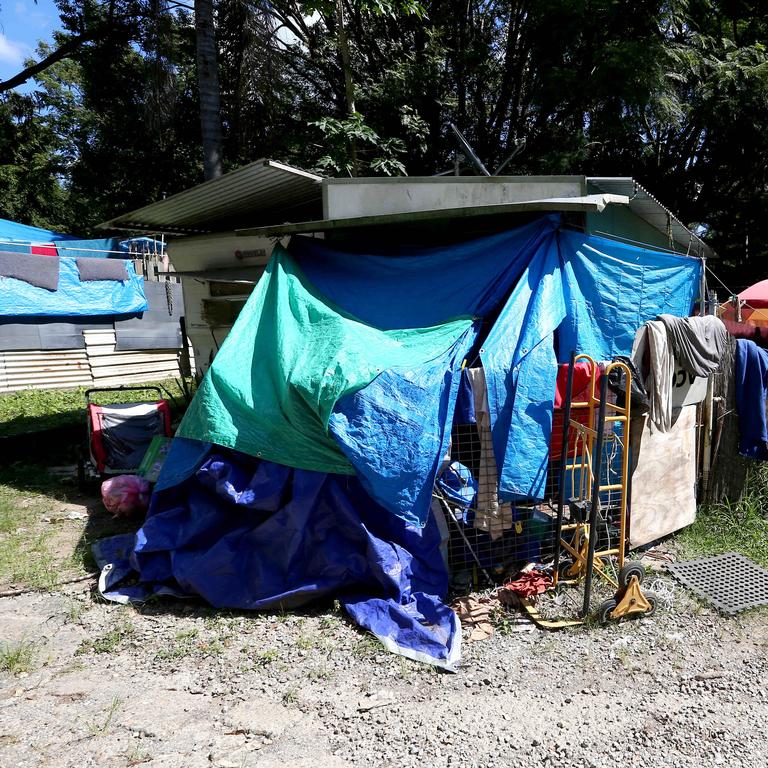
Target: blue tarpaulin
[(73, 298), (612, 288), (244, 532), (11, 231), (250, 534)]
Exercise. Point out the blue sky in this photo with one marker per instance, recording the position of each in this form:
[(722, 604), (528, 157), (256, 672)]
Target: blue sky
[(22, 24)]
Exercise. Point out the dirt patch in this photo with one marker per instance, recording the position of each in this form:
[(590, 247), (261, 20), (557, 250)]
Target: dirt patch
[(179, 685)]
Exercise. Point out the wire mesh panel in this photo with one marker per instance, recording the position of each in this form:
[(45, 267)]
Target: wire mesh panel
[(488, 539)]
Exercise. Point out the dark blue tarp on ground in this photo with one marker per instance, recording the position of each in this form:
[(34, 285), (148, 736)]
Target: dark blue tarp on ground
[(249, 534)]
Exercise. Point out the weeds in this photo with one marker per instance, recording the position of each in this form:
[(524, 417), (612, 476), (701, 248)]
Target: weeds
[(17, 658), (320, 673), (291, 696), (329, 622), (265, 658), (305, 642), (740, 526), (185, 644), (75, 611), (109, 642), (366, 646), (503, 621), (624, 656), (97, 729), (137, 756)]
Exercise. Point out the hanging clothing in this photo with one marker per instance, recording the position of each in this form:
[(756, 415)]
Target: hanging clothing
[(490, 515), (697, 342), (750, 390), (652, 338)]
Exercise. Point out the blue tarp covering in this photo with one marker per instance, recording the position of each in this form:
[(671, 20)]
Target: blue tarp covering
[(73, 298), (250, 534), (613, 288), (395, 431), (12, 231)]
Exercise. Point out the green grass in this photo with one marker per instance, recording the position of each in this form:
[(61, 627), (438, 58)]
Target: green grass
[(265, 658), (740, 526), (37, 410), (17, 658), (26, 494), (185, 644), (32, 552)]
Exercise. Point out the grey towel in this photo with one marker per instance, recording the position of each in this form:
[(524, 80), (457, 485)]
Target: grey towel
[(698, 342), (102, 269), (40, 271)]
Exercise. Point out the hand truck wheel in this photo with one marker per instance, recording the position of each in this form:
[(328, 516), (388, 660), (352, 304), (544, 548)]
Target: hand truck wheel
[(654, 602), (605, 610), (630, 570)]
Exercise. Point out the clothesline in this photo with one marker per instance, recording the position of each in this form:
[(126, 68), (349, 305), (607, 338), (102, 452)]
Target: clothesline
[(124, 254)]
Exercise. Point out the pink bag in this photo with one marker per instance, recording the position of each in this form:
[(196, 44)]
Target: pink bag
[(125, 495)]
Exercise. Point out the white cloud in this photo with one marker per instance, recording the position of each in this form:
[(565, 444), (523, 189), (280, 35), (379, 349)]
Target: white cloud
[(12, 52)]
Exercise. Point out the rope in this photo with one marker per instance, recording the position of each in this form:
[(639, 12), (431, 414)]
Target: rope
[(14, 592)]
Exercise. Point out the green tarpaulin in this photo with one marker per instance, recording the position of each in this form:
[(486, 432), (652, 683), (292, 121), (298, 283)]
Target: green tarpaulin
[(289, 358)]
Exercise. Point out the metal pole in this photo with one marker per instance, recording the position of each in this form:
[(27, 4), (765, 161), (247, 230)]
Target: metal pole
[(597, 464), (563, 464)]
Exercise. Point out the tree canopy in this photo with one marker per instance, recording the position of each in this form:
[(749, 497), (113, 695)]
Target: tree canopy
[(672, 92)]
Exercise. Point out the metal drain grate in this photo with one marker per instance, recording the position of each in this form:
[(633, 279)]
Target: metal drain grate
[(730, 582)]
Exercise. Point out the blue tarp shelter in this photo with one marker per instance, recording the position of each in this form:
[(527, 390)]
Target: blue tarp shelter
[(248, 515)]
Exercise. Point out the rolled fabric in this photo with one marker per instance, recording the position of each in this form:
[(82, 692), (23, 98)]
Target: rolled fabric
[(102, 269)]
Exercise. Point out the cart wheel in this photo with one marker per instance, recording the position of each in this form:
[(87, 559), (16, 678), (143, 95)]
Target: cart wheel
[(562, 571), (653, 600), (605, 609), (630, 570)]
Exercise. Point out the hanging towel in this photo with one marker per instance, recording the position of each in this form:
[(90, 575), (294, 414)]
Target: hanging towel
[(102, 269), (40, 271), (697, 342), (750, 391), (490, 516), (653, 338)]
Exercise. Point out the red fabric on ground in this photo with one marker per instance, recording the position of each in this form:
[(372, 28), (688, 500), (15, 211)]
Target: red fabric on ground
[(529, 583)]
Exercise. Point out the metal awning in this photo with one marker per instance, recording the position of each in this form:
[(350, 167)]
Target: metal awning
[(645, 206), (260, 192), (247, 275), (587, 203)]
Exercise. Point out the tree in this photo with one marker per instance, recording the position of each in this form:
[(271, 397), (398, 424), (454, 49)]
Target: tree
[(673, 92), (208, 87)]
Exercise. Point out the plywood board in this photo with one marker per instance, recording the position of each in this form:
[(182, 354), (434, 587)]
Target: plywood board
[(663, 478)]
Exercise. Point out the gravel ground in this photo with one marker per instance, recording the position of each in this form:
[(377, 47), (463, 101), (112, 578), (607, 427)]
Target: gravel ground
[(181, 686)]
